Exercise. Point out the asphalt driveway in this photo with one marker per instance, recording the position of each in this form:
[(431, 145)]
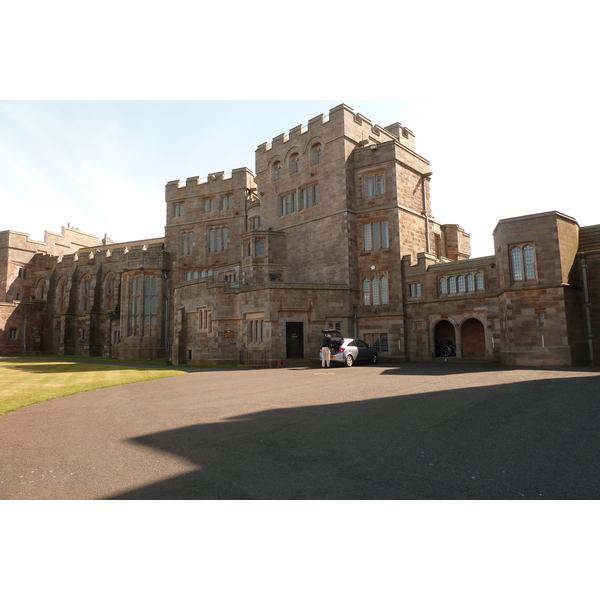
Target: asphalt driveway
[(414, 431)]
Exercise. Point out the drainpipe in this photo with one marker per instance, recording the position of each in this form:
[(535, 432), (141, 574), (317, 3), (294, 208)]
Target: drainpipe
[(25, 335), (168, 318), (587, 307), (427, 241)]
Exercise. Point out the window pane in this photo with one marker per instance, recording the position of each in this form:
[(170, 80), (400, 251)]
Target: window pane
[(375, 291), (461, 283), (384, 342), (517, 264), (376, 238), (370, 187), (384, 290), (443, 286), (452, 282), (367, 236), (529, 260), (366, 292), (379, 184), (470, 283), (384, 235), (479, 278)]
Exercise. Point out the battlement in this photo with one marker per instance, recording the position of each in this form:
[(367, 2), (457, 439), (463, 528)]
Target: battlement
[(354, 125), (213, 182)]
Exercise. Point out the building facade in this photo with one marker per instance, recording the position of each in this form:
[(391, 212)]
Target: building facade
[(334, 229)]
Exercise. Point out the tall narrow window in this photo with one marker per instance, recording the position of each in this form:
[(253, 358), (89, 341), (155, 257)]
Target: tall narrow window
[(366, 292), (276, 171), (309, 197), (86, 293), (135, 305), (461, 284), (150, 305), (375, 235), (218, 239), (374, 184), (443, 285), (187, 242), (479, 281), (470, 282), (316, 154), (61, 295), (288, 204), (375, 286), (529, 260), (384, 290), (110, 291), (294, 163), (517, 264), (452, 285), (226, 202)]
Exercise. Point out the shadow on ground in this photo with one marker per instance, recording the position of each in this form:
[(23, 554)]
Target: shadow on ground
[(527, 440)]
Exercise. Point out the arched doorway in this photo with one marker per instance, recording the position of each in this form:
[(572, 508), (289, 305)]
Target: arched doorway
[(445, 339), (473, 338)]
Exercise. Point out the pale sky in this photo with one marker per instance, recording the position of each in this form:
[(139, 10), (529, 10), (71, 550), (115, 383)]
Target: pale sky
[(102, 165)]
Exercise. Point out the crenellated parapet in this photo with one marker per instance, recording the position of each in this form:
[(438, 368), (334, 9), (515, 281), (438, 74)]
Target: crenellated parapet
[(354, 125), (213, 183)]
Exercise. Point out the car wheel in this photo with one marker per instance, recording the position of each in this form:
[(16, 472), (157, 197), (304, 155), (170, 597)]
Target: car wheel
[(374, 358), (349, 360)]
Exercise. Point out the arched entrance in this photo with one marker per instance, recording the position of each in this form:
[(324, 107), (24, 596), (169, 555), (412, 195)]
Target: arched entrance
[(445, 339), (473, 338)]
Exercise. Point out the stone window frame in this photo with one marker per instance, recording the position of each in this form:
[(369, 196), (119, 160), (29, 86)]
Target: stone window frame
[(276, 170), (62, 294), (143, 306), (316, 154), (256, 331), (187, 242), (288, 203), (209, 204), (374, 184), (523, 264), (308, 196), (375, 289), (41, 289), (178, 209), (204, 319), (13, 334), (414, 290), (294, 163), (218, 238), (381, 343), (226, 201), (86, 298), (110, 296), (376, 236), (464, 283)]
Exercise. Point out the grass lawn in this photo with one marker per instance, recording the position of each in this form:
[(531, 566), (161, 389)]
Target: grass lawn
[(25, 381)]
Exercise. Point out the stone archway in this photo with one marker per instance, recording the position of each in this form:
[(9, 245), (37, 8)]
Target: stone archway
[(445, 339), (473, 338)]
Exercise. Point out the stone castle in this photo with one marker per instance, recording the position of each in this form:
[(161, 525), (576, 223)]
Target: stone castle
[(334, 229)]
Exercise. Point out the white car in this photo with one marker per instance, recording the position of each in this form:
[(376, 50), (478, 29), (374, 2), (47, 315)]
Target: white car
[(348, 351)]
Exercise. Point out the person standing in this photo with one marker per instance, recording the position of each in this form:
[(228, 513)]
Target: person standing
[(326, 351)]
